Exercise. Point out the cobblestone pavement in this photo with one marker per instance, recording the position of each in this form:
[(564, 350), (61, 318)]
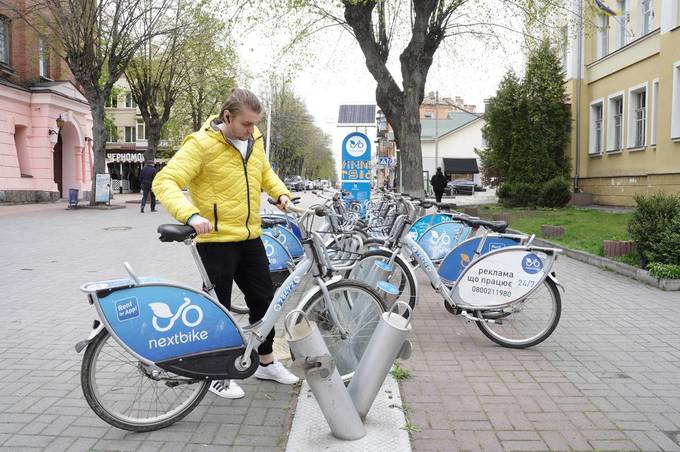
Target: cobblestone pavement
[(47, 253), (607, 379)]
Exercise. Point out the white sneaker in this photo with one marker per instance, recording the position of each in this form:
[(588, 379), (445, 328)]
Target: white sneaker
[(230, 391), (277, 372)]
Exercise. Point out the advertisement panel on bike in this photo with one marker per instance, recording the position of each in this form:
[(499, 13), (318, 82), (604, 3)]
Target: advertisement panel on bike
[(502, 277), (159, 322)]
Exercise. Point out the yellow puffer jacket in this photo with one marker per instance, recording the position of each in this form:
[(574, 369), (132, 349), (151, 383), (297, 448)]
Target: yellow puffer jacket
[(224, 188)]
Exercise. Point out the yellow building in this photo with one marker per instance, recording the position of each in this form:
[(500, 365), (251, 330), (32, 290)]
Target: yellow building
[(629, 112)]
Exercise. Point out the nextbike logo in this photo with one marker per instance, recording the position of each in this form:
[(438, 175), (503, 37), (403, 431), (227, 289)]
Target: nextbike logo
[(440, 239), (168, 319), (532, 264), (162, 310)]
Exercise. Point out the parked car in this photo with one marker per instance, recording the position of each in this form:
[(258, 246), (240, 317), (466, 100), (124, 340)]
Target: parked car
[(459, 187), (294, 183), (309, 185)]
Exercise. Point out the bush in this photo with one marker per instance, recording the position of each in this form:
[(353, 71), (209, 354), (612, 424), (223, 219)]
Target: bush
[(654, 226), (667, 249), (555, 193), (503, 191), (524, 194), (664, 271)]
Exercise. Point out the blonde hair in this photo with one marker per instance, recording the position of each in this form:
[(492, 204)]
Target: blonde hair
[(238, 98)]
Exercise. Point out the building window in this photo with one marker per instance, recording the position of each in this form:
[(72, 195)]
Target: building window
[(615, 121), (603, 36), (637, 114), (4, 40), (646, 16), (130, 135), (655, 110), (675, 111), (623, 23), (44, 61), (596, 127), (141, 135), (112, 101), (129, 101)]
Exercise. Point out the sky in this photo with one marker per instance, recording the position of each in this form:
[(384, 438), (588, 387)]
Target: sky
[(333, 72)]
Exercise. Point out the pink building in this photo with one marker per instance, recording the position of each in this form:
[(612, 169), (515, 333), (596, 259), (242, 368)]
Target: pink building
[(45, 122)]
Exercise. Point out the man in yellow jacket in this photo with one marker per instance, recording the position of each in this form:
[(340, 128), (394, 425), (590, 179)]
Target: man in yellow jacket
[(225, 168)]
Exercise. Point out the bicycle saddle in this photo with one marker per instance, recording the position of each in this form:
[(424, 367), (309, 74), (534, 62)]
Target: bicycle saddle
[(445, 206), (426, 204), (495, 226), (270, 222), (175, 232)]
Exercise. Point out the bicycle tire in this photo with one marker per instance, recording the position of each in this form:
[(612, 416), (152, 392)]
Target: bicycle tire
[(407, 278), (347, 352), (535, 339), (99, 406)]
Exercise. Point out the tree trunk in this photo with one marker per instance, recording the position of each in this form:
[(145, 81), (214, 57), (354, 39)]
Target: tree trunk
[(99, 138), (410, 146), (153, 137)]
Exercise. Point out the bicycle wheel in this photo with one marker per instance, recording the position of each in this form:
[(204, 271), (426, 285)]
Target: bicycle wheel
[(358, 308), (130, 395), (527, 322), (402, 277)]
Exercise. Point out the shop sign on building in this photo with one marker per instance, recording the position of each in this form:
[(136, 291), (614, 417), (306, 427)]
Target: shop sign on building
[(125, 156)]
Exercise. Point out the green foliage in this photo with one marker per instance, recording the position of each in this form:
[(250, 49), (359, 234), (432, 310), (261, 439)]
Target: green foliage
[(298, 147), (655, 228), (111, 131), (584, 229), (399, 373), (664, 271), (527, 128), (555, 193), (520, 194)]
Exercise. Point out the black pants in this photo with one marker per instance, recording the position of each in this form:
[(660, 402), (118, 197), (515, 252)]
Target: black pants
[(146, 191), (438, 195), (246, 263)]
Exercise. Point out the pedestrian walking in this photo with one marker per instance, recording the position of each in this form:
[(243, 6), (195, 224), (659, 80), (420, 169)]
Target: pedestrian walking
[(146, 177), (225, 167), (438, 183)]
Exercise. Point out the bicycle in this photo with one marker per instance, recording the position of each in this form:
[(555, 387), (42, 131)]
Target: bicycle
[(499, 306), (157, 345)]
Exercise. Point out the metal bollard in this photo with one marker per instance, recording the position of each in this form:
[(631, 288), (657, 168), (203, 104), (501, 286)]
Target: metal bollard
[(388, 291), (381, 271), (314, 361), (387, 344)]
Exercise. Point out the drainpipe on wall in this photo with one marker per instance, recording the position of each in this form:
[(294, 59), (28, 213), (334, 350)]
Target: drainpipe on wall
[(579, 76)]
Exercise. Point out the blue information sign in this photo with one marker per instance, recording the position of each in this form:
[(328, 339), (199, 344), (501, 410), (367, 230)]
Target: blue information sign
[(356, 166)]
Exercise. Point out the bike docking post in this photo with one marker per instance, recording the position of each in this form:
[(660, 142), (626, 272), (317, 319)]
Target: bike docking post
[(381, 271), (388, 291), (314, 362), (387, 344)]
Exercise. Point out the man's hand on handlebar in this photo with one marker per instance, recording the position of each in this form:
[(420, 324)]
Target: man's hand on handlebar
[(283, 203), (200, 224)]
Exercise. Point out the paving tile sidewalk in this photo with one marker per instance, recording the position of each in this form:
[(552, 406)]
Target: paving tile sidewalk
[(607, 379), (47, 253)]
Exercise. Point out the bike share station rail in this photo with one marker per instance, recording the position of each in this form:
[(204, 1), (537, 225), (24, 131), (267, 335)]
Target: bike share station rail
[(367, 414)]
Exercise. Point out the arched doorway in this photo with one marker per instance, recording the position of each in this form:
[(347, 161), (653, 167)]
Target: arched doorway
[(57, 156), (65, 159)]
